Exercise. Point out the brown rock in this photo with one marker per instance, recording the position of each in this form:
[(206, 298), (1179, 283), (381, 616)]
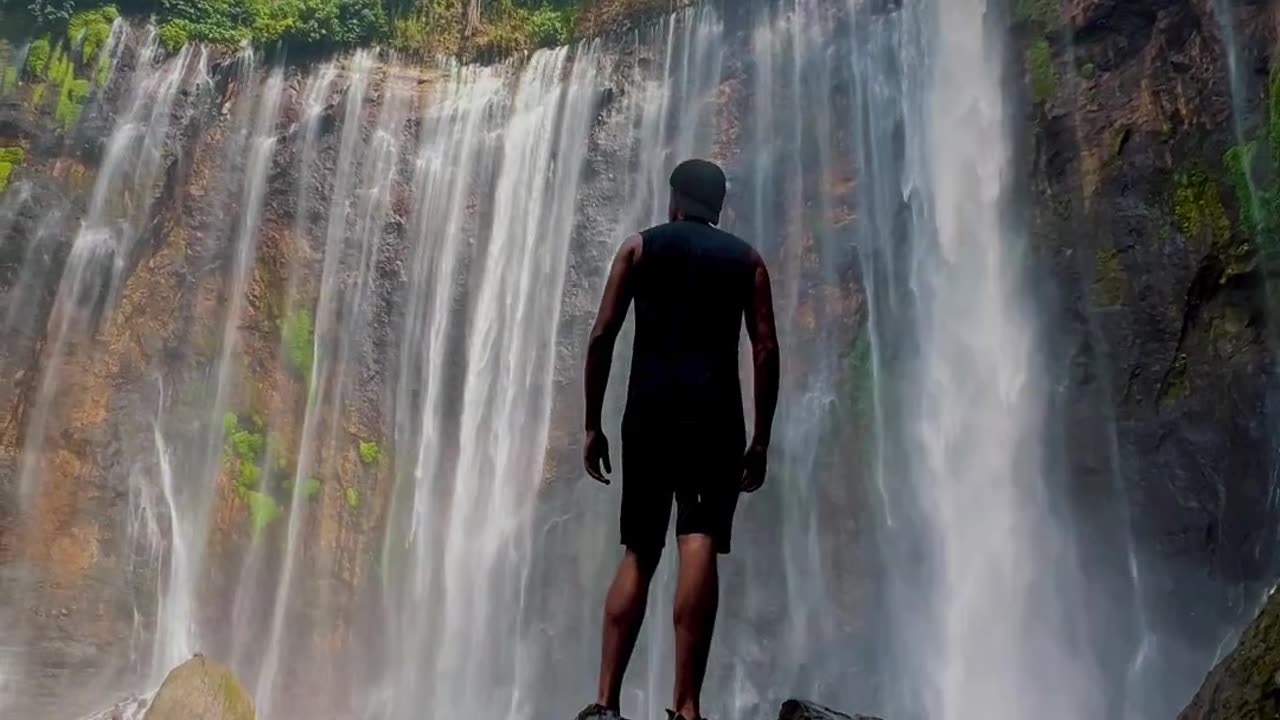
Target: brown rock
[(201, 689)]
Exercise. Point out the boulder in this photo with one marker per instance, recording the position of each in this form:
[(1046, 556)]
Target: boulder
[(801, 710), (1246, 683), (201, 689)]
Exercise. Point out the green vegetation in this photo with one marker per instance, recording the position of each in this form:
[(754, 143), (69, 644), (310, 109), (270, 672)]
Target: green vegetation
[(9, 80), (90, 29), (1040, 69), (263, 510), (1040, 12), (38, 58), (1089, 71), (103, 73), (247, 445), (299, 342), (250, 477), (230, 423), (173, 36), (311, 489), (10, 158), (1255, 179), (71, 102), (37, 95), (370, 453), (1198, 210), (353, 497), (471, 28)]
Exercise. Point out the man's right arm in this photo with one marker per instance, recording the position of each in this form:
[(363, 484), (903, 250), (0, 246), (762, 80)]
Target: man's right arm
[(764, 349)]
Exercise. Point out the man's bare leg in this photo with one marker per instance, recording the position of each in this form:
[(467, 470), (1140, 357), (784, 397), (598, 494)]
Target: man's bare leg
[(623, 616), (697, 598)]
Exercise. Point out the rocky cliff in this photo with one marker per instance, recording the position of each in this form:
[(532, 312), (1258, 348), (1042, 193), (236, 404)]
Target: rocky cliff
[(1151, 152)]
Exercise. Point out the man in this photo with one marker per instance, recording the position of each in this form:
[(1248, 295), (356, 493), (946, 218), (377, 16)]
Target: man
[(683, 436)]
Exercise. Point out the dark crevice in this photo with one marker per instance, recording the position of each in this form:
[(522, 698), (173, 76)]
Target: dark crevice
[(1206, 284)]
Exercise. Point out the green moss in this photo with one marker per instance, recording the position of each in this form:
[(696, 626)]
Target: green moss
[(90, 29), (38, 58), (1238, 162), (60, 68), (13, 155), (353, 497), (299, 341), (370, 453), (230, 424), (247, 445), (263, 510), (1040, 12), (173, 36), (103, 73), (71, 102), (1089, 71), (9, 81), (37, 95), (1108, 280), (10, 158), (1198, 209), (311, 488), (250, 475), (1039, 61)]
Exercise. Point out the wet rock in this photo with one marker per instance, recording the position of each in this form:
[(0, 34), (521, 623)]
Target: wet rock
[(201, 689), (1246, 684), (802, 710)]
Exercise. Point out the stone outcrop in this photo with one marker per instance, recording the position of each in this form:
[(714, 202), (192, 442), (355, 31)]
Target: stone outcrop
[(1246, 684), (201, 689), (803, 710)]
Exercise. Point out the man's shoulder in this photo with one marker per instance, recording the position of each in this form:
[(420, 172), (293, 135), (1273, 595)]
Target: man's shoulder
[(684, 229)]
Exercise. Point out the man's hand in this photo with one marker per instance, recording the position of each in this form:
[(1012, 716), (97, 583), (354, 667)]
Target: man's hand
[(754, 467), (596, 454)]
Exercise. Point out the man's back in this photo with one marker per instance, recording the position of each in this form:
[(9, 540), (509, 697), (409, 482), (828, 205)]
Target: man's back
[(692, 285)]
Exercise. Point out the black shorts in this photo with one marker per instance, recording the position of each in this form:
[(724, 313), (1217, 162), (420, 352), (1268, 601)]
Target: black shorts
[(699, 466)]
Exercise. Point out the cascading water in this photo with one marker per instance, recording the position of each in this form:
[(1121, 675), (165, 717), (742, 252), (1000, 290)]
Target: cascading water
[(327, 324)]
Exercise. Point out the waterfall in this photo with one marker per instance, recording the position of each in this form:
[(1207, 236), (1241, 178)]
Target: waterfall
[(310, 382)]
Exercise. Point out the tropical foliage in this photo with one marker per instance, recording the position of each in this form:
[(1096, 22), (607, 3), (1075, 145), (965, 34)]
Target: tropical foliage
[(463, 27)]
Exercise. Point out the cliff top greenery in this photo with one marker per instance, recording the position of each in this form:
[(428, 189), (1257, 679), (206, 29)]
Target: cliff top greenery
[(467, 28)]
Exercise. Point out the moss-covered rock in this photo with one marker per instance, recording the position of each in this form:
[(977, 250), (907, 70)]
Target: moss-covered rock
[(201, 689), (10, 158), (1044, 80), (1246, 684)]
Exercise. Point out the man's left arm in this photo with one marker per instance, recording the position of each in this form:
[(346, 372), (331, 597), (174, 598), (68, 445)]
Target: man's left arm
[(613, 311)]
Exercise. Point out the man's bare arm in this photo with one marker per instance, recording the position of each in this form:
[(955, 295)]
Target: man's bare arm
[(613, 311), (764, 350)]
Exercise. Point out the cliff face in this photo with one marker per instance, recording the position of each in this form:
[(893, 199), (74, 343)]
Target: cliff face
[(1164, 274)]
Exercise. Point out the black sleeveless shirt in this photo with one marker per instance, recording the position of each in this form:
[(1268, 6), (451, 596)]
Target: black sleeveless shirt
[(691, 289)]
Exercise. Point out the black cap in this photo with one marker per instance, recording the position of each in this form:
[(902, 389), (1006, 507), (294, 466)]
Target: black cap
[(700, 188)]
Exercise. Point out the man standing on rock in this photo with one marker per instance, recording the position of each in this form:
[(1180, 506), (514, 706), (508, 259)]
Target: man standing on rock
[(683, 433)]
